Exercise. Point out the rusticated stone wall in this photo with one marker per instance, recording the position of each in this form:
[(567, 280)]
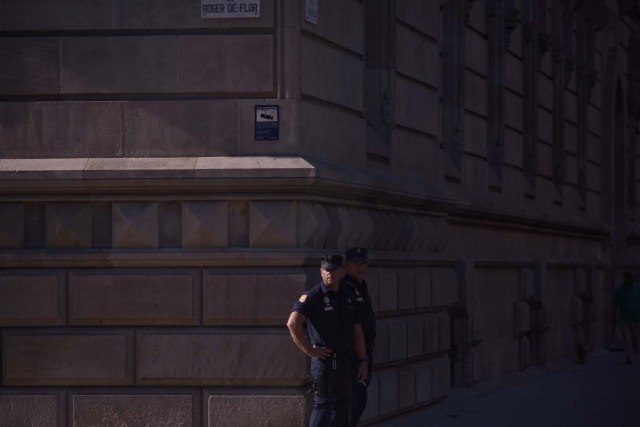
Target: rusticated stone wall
[(170, 305), (150, 248)]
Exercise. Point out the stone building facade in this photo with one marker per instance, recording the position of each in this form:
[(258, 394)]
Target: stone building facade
[(154, 232)]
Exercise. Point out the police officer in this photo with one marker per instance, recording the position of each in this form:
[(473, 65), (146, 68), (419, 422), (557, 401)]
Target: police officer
[(335, 335), (354, 279)]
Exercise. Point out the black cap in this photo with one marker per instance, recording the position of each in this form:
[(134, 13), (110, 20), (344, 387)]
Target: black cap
[(331, 262), (629, 274), (357, 254)]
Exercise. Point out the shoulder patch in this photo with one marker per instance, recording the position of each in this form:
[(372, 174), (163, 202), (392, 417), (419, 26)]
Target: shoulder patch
[(302, 298)]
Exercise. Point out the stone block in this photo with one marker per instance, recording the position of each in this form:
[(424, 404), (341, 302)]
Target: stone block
[(11, 225), (527, 288), (445, 286), (205, 224), (431, 333), (262, 298), (545, 126), (475, 98), (270, 224), (69, 129), (475, 53), (513, 154), (44, 15), (424, 379), (544, 92), (227, 63), (29, 65), (288, 122), (444, 322), (119, 64), (175, 410), (477, 18), (388, 383), (180, 128), (218, 357), (397, 340), (513, 111), (406, 290), (415, 336), (331, 75), (372, 410), (29, 410), (406, 387), (340, 23), (68, 357), (475, 128), (134, 297), (68, 225), (416, 55), (32, 298), (318, 140), (513, 74), (521, 317), (135, 225), (141, 168), (417, 106), (177, 14), (254, 410), (423, 289), (441, 376), (388, 282), (373, 283), (545, 160), (577, 310), (426, 16), (239, 223), (415, 155), (382, 341)]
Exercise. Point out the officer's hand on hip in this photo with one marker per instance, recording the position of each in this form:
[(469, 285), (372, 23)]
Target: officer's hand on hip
[(363, 371), (321, 352)]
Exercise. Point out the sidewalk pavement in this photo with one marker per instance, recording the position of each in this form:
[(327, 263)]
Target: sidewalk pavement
[(603, 392)]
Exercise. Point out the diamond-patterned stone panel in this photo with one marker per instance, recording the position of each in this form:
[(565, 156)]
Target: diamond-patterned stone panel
[(272, 224), (310, 223), (11, 226), (205, 225), (135, 225), (68, 225)]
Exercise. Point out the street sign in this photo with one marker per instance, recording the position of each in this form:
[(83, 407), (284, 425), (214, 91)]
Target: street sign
[(212, 9), (267, 123)]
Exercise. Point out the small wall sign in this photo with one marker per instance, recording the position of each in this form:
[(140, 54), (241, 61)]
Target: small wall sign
[(267, 123), (212, 9)]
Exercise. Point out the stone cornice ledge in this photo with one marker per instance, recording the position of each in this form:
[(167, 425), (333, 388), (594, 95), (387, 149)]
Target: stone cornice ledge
[(254, 173), (20, 177)]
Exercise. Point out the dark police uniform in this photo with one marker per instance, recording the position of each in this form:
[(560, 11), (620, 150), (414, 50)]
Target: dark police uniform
[(364, 306), (331, 319)]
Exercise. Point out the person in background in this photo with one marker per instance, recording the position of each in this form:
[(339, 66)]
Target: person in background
[(627, 310), (357, 263), (335, 336)]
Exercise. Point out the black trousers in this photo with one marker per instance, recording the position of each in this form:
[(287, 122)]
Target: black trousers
[(332, 394), (359, 396)]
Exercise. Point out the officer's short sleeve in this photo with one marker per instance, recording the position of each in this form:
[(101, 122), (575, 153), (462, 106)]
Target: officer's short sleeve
[(303, 305)]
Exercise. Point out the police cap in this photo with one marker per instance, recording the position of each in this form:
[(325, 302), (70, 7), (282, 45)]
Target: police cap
[(357, 254), (331, 262)]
